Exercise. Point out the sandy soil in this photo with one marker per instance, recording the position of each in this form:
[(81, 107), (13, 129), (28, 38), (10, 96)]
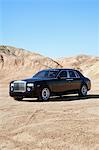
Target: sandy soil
[(67, 123)]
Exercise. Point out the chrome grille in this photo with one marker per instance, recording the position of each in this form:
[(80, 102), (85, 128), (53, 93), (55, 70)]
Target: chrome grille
[(19, 86)]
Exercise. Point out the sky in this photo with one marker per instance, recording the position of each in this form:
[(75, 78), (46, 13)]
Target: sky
[(54, 28)]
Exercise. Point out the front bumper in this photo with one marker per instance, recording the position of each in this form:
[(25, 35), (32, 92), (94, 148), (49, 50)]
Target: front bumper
[(31, 94), (22, 89)]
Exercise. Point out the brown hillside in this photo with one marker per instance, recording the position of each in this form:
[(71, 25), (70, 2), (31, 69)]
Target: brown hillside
[(18, 63), (89, 65)]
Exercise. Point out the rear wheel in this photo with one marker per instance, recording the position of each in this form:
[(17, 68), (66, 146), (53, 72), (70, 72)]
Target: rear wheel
[(83, 91), (44, 94)]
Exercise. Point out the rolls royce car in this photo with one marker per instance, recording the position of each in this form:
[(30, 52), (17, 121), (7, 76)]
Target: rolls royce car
[(50, 82)]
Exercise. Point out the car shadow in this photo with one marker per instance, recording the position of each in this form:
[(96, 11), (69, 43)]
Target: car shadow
[(65, 98)]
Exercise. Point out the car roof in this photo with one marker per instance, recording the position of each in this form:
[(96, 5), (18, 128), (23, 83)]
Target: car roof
[(60, 69)]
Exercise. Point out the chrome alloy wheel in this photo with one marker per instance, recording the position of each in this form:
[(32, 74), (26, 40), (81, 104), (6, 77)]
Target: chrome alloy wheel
[(84, 90), (45, 94)]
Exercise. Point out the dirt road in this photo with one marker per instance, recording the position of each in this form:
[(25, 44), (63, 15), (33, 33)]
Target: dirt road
[(67, 123)]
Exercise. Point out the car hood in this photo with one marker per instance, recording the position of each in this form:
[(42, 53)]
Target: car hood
[(35, 79)]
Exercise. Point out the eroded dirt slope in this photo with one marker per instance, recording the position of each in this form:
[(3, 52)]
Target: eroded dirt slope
[(88, 65), (18, 63)]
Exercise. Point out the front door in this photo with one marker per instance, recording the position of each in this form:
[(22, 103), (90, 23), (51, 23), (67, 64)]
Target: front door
[(61, 84)]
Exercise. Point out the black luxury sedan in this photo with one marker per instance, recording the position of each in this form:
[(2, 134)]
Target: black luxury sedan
[(50, 82)]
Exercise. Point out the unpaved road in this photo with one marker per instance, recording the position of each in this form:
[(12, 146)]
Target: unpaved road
[(66, 123)]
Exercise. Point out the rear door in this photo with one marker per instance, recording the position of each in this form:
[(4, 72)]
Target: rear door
[(74, 80)]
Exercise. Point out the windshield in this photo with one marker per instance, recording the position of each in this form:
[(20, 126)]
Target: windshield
[(46, 74)]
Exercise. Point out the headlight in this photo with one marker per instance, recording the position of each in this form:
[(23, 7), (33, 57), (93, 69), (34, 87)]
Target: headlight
[(30, 84), (11, 88), (12, 84)]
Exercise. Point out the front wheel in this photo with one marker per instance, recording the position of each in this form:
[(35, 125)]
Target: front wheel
[(83, 91), (44, 94)]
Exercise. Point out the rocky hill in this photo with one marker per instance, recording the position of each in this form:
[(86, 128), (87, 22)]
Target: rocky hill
[(89, 65), (18, 63)]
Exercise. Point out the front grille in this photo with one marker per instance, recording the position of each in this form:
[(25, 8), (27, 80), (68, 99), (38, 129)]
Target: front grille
[(19, 86)]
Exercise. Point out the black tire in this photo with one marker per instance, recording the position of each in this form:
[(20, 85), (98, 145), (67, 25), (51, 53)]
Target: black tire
[(83, 90), (44, 94), (18, 98)]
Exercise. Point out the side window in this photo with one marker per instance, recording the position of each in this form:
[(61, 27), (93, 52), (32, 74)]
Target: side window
[(72, 74), (52, 74), (63, 74), (77, 75)]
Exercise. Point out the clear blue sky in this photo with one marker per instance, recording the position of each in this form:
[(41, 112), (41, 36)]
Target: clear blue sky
[(54, 28)]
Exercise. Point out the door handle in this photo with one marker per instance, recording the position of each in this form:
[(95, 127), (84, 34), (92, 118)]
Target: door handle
[(69, 79)]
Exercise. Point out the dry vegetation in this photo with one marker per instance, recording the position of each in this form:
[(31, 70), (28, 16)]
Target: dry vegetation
[(60, 124)]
